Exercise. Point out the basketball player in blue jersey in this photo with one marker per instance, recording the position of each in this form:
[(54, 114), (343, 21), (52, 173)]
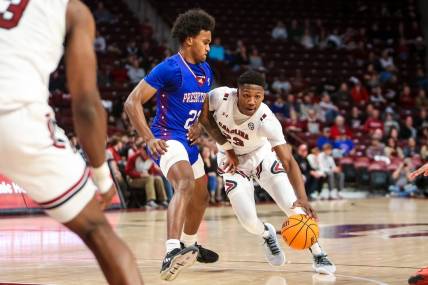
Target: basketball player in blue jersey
[(180, 83)]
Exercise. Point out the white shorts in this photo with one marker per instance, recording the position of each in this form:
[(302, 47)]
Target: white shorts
[(37, 155), (271, 176), (177, 152)]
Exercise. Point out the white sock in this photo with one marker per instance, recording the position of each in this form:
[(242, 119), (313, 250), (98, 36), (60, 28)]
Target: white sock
[(316, 249), (172, 244), (188, 239)]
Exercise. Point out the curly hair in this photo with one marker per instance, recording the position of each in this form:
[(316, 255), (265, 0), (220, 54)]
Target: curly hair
[(251, 77), (190, 23)]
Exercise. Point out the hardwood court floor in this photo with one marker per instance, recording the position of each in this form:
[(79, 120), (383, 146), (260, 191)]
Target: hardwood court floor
[(372, 241)]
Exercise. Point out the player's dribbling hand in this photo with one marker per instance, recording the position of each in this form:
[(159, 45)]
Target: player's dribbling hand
[(194, 133), (157, 147), (423, 169), (307, 207), (107, 197), (230, 163)]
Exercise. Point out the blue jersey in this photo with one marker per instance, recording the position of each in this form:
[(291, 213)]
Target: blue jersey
[(181, 91)]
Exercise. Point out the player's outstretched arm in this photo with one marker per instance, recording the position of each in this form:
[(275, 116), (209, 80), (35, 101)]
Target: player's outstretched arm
[(290, 165), (88, 113), (135, 110)]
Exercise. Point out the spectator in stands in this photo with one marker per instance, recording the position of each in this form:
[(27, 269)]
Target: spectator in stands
[(114, 49), (279, 32), (390, 122), (100, 44), (335, 176), (421, 99), (313, 178), (373, 122), (334, 40), (114, 149), (255, 60), (411, 149), (102, 15), (376, 150), (291, 105), (278, 108), (340, 129), (135, 72), (424, 151), (406, 100), (210, 165), (307, 104), (325, 138), (217, 52), (119, 73), (421, 119), (342, 97), (403, 49), (421, 79), (313, 124), (359, 94), (298, 83), (313, 159), (146, 30), (132, 48), (280, 84), (343, 146), (138, 171), (392, 150), (393, 133), (371, 76), (293, 124), (328, 109), (307, 40), (376, 97), (401, 186), (407, 130), (295, 32), (355, 118)]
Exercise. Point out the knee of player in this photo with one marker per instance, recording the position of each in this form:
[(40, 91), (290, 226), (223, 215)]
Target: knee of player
[(95, 232), (185, 185)]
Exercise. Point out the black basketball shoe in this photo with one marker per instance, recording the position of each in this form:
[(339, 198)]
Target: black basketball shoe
[(176, 260), (205, 255)]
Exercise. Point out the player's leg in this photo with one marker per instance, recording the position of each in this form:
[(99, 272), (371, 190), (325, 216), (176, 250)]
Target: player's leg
[(272, 177), (195, 213), (44, 164), (240, 191), (115, 258), (177, 168)]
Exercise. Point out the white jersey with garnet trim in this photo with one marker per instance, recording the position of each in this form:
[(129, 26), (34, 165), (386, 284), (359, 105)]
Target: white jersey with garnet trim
[(260, 130), (31, 45)]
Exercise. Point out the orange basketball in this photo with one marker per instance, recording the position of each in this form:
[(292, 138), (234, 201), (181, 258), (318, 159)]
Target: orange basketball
[(300, 231)]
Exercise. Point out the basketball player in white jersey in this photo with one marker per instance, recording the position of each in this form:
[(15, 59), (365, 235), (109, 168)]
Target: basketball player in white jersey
[(253, 131), (33, 151)]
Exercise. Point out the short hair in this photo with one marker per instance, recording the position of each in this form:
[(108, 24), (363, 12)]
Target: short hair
[(191, 23), (252, 77)]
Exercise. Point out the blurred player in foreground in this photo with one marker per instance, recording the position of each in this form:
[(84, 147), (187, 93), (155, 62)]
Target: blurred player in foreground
[(34, 152)]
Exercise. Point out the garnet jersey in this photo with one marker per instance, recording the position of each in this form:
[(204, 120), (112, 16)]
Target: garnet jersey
[(31, 45), (253, 138)]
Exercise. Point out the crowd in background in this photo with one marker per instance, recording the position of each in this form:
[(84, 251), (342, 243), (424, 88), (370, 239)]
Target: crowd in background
[(377, 115)]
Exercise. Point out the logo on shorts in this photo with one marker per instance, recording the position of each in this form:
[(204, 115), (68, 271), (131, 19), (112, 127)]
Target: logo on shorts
[(251, 126), (229, 186), (277, 168)]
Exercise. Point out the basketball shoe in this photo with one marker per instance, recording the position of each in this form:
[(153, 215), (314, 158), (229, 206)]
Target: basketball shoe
[(323, 265), (273, 250), (176, 260), (420, 278), (204, 254)]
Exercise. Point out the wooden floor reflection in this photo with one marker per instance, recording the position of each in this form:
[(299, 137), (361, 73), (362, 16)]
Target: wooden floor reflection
[(373, 241)]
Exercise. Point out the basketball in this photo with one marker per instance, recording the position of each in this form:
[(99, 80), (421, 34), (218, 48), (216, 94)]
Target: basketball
[(300, 231)]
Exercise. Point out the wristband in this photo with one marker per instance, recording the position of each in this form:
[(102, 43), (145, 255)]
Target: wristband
[(227, 146), (102, 178)]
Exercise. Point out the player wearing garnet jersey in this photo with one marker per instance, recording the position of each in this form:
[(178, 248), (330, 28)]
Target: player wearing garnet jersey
[(33, 151), (254, 131)]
